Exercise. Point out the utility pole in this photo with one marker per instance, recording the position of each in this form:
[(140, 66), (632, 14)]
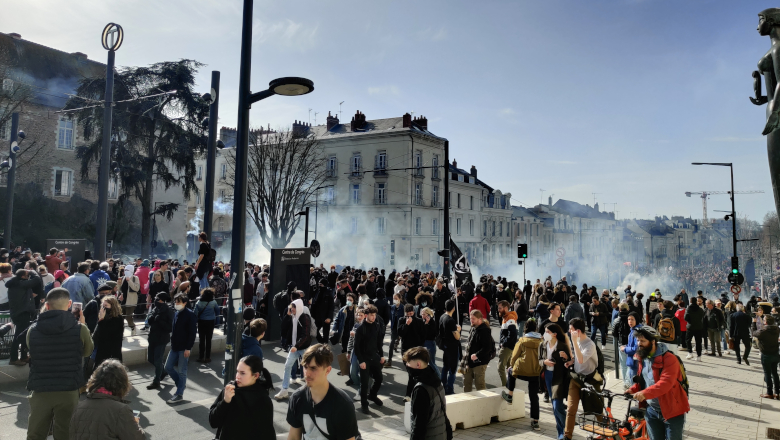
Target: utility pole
[(446, 269), (9, 187), (112, 38), (211, 155)]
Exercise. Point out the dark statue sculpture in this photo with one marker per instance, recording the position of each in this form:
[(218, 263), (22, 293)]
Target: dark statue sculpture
[(769, 67)]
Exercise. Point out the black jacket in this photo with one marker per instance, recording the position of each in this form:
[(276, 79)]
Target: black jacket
[(714, 319), (429, 417), (322, 305), (185, 328), (767, 339), (521, 308), (20, 298), (480, 343), (108, 337), (430, 330), (368, 342), (694, 316), (160, 324), (621, 330), (57, 351), (250, 413), (411, 335), (739, 325)]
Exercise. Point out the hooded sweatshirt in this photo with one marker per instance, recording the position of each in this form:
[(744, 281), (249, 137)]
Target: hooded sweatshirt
[(301, 322), (508, 334)]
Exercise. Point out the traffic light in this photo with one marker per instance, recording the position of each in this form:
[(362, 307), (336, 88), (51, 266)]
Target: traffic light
[(735, 277), (522, 251)]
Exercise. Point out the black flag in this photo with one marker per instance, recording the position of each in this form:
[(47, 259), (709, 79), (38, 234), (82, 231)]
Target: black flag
[(460, 264)]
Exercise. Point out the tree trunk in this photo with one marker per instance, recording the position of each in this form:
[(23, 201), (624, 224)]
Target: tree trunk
[(148, 197)]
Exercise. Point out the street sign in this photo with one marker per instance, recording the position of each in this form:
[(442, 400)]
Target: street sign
[(112, 37), (560, 262), (736, 288), (560, 252)]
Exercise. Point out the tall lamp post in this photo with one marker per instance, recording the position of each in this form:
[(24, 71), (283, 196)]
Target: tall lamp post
[(10, 163), (211, 152), (290, 86), (316, 204), (733, 210), (112, 38)]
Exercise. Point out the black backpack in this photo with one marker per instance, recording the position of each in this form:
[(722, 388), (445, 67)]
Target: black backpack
[(600, 367)]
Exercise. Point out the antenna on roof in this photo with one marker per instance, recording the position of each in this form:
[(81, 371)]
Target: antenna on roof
[(310, 117), (342, 102), (315, 117)]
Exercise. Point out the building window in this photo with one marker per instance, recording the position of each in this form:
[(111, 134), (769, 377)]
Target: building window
[(460, 177), (62, 182), (435, 164), (471, 227), (356, 165), (330, 167), (380, 223), (435, 226), (223, 174), (113, 188), (471, 203), (471, 179), (65, 134), (197, 199), (330, 196), (457, 226), (221, 224), (5, 130), (355, 194), (222, 195), (435, 197), (418, 194), (418, 164), (500, 229), (199, 175), (494, 228), (484, 228), (418, 226), (353, 226), (458, 200), (381, 194), (380, 163), (8, 84)]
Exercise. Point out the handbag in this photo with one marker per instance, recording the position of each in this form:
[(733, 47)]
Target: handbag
[(343, 364)]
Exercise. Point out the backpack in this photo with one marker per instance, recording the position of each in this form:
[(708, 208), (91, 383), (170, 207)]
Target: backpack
[(312, 328), (600, 367), (492, 353), (684, 381), (278, 298), (666, 330), (212, 254)]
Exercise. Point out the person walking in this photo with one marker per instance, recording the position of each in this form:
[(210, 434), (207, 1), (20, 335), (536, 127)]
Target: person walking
[(368, 351), (524, 364), (714, 320), (58, 342), (109, 332), (585, 361), (322, 309), (20, 301), (766, 339), (299, 336), (507, 339), (479, 302), (410, 329), (739, 331), (682, 305), (160, 327), (243, 409), (600, 315), (182, 339), (430, 331), (450, 337), (104, 414), (556, 375), (129, 286), (668, 325), (345, 320), (621, 330), (206, 312), (660, 386), (428, 405), (396, 312), (694, 316), (480, 346)]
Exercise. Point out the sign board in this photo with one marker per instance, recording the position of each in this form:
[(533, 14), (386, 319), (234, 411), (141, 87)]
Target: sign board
[(560, 262), (560, 252), (75, 250), (736, 288), (286, 265)]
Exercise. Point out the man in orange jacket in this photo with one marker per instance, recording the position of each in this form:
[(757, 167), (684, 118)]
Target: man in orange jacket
[(660, 386)]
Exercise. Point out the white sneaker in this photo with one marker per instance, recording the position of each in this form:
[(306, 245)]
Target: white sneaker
[(357, 397), (603, 347), (283, 394), (698, 358), (133, 332), (690, 356)]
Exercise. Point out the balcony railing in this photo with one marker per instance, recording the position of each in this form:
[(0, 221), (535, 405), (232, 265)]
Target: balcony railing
[(356, 172), (380, 171), (418, 172), (435, 204), (418, 201), (330, 172), (354, 200), (380, 200)]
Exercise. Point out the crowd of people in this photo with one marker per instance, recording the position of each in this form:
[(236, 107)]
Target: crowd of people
[(551, 336)]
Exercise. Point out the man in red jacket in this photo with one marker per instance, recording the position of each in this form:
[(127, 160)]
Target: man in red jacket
[(659, 387), (481, 304)]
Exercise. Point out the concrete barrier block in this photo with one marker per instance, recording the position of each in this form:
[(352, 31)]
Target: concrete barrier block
[(476, 408)]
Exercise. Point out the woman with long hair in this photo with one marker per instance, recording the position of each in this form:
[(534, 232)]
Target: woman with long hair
[(244, 409), (206, 312), (104, 414), (556, 375), (109, 333)]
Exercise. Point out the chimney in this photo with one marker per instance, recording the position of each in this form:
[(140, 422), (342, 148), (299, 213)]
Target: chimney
[(421, 122), (300, 128), (474, 172), (358, 121), (227, 133), (596, 206), (454, 163), (549, 201), (332, 121), (407, 118), (80, 55), (15, 36)]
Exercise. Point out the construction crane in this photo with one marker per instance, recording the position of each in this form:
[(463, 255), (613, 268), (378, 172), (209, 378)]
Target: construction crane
[(706, 194)]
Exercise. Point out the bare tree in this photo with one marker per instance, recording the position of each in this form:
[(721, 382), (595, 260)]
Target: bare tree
[(18, 97), (285, 168)]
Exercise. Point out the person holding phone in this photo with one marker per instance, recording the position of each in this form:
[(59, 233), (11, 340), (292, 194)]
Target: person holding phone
[(109, 333), (244, 408), (104, 414)]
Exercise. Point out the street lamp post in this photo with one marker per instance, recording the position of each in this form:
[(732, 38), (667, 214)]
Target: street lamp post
[(733, 209), (10, 163), (112, 38), (316, 205), (282, 86), (211, 153)]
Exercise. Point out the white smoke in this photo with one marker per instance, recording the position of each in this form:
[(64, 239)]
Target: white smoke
[(223, 208), (195, 222)]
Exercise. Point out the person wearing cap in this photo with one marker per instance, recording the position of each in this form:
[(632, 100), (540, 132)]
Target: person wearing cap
[(659, 386), (58, 342)]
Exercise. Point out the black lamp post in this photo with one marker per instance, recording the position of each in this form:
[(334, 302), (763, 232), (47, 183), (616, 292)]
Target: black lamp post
[(211, 152), (10, 163), (283, 86), (733, 210)]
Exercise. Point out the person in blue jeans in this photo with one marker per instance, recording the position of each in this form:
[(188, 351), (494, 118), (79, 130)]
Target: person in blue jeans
[(296, 328), (600, 315), (430, 330), (185, 327), (556, 375)]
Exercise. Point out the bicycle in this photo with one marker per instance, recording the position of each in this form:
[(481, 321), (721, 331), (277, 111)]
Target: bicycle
[(605, 426)]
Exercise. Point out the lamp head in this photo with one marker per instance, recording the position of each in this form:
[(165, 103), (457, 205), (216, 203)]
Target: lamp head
[(5, 164), (205, 123), (21, 134), (291, 86), (220, 145), (15, 148)]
